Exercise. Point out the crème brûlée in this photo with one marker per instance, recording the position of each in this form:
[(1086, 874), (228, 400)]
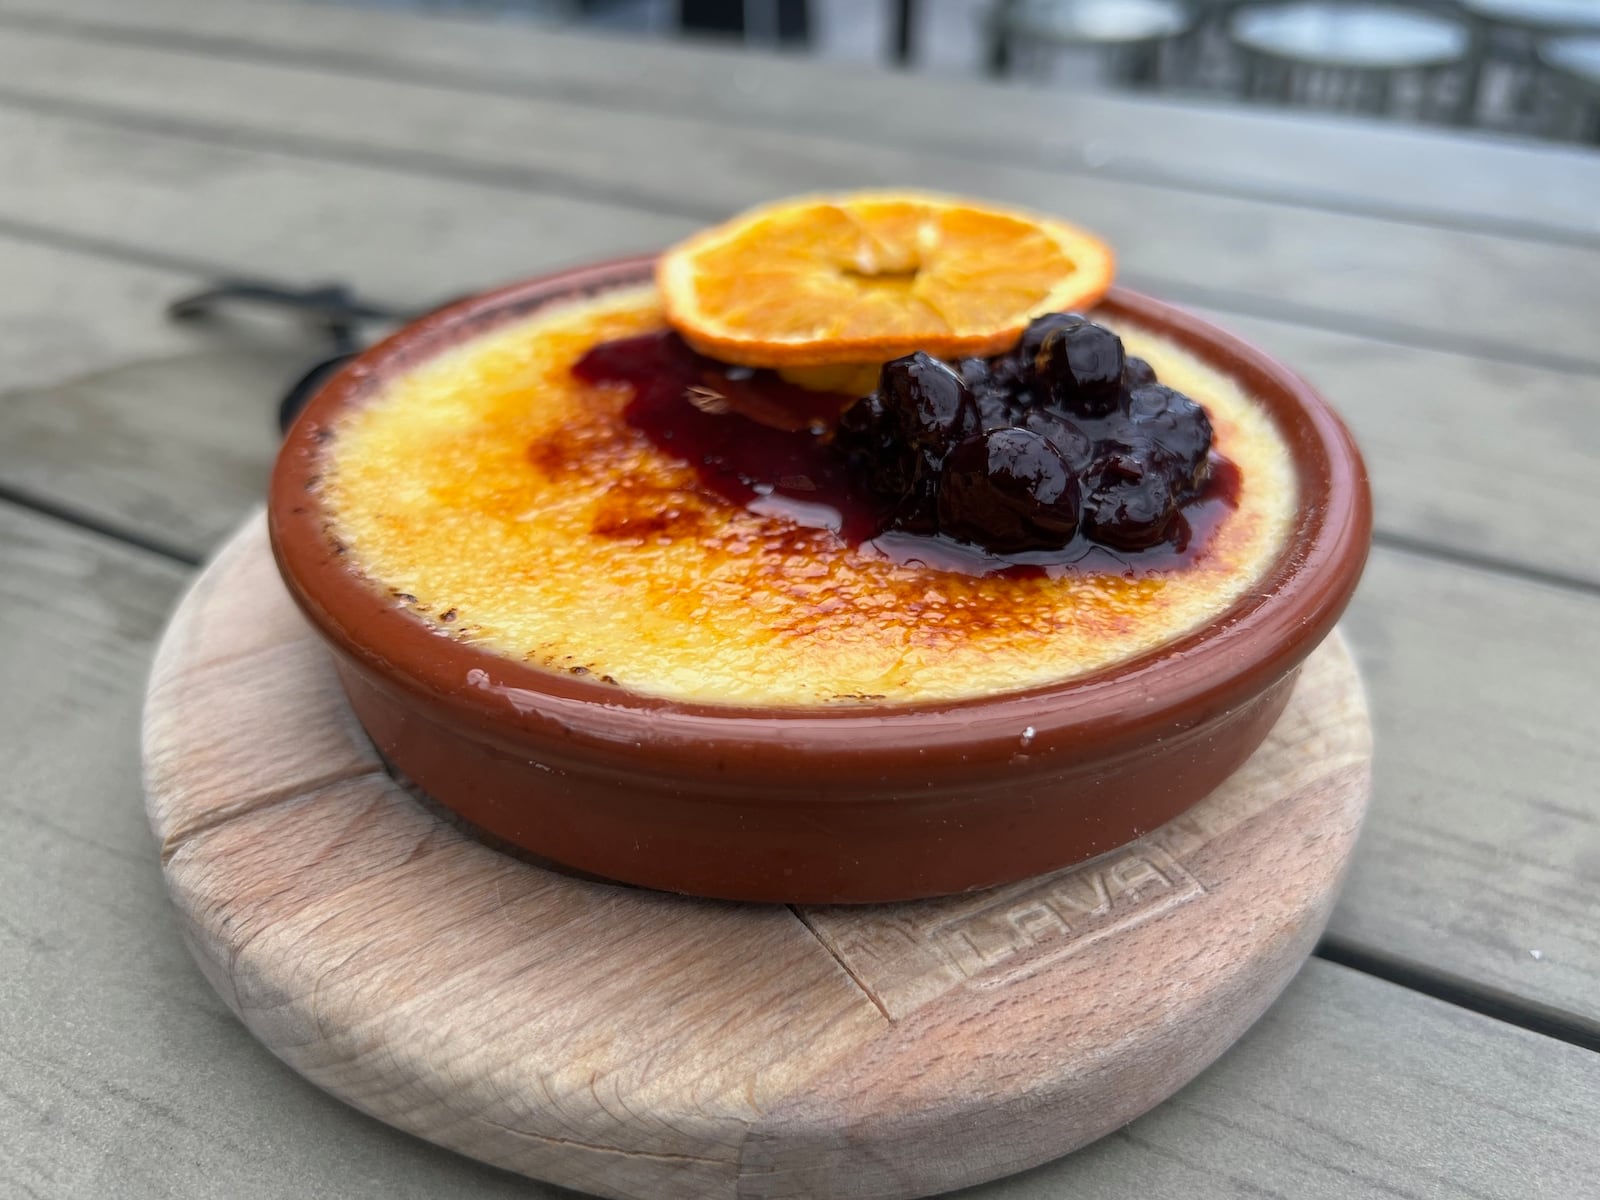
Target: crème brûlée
[(511, 505)]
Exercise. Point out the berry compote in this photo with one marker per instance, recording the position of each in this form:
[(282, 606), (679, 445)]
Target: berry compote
[(1063, 453)]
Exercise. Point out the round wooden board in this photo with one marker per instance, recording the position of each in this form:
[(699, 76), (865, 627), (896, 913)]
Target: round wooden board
[(635, 1044)]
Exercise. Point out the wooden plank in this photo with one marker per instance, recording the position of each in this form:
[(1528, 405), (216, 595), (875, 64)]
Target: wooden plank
[(118, 416), (410, 239), (120, 1073), (1418, 284), (65, 313), (1472, 456), (1348, 1056), (1434, 425), (1481, 858), (1423, 174), (124, 1075), (166, 450)]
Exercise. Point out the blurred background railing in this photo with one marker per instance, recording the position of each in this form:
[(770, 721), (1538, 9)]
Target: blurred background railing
[(1529, 67)]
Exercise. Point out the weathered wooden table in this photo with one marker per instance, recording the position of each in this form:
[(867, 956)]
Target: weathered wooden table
[(1443, 291)]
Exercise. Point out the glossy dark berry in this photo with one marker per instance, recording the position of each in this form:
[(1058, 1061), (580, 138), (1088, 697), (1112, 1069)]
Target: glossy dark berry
[(1007, 372), (997, 405), (1137, 373), (1073, 365), (917, 509), (1008, 490), (974, 371), (862, 420), (928, 401), (1039, 331), (1071, 442), (997, 408), (1175, 424), (1132, 499), (874, 451)]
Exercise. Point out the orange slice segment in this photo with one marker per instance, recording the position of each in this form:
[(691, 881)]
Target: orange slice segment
[(866, 277)]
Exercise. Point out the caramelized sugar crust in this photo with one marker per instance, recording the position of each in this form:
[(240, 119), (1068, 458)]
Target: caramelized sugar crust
[(510, 505)]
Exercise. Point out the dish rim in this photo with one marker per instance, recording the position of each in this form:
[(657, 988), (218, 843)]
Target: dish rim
[(1195, 677)]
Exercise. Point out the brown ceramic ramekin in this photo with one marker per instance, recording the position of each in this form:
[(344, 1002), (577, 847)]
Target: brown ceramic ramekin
[(887, 802)]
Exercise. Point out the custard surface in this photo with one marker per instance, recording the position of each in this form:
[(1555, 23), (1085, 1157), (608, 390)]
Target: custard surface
[(510, 506)]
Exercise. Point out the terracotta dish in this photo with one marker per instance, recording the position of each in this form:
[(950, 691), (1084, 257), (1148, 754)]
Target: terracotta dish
[(865, 803)]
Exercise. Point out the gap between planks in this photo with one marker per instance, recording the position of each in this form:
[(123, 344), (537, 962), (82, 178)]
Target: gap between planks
[(88, 523), (1460, 993), (1400, 543)]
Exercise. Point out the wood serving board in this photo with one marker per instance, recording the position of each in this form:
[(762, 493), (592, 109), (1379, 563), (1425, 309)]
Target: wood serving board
[(635, 1044)]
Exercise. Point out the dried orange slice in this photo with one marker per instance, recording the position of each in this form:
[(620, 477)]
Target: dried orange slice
[(866, 277)]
